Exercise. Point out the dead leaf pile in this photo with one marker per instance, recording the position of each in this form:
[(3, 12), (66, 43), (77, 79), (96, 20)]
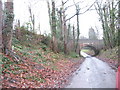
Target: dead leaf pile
[(39, 70)]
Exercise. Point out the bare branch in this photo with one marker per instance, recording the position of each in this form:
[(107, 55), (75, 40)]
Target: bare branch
[(81, 13), (71, 17), (65, 2), (62, 3), (88, 8), (72, 5), (117, 4)]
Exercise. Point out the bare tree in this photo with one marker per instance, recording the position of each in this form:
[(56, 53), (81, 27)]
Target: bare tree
[(77, 47), (74, 36), (49, 13), (92, 34), (78, 29), (107, 13), (97, 32), (18, 30), (62, 18), (53, 23), (118, 40), (32, 18), (64, 29), (80, 12), (119, 24), (8, 27), (60, 22), (39, 29), (69, 32), (0, 26)]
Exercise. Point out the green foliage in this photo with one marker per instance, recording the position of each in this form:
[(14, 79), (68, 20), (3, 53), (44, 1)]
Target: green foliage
[(74, 55), (36, 59), (60, 46), (39, 54), (44, 48), (39, 58), (58, 34), (54, 68), (26, 53), (109, 18), (1, 56), (35, 78), (23, 28), (44, 61), (46, 40), (28, 36), (18, 47), (7, 63), (6, 60), (55, 56), (15, 41)]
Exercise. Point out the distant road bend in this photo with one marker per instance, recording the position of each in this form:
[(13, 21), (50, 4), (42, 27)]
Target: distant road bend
[(93, 73)]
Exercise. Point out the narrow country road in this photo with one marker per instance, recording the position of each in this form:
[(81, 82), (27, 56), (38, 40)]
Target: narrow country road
[(93, 73)]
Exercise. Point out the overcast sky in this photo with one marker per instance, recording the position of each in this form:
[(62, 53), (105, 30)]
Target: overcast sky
[(87, 20)]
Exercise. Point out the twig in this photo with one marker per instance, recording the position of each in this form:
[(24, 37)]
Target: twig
[(81, 13)]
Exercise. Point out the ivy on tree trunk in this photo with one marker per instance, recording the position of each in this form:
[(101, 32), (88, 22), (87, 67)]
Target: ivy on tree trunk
[(8, 27), (0, 26)]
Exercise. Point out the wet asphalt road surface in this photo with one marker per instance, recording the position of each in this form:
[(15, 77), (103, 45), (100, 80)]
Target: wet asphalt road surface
[(93, 73)]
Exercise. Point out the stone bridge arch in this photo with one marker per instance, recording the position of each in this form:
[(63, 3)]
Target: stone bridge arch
[(98, 44)]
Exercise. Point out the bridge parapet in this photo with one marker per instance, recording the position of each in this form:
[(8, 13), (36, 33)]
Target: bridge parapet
[(99, 44), (96, 43)]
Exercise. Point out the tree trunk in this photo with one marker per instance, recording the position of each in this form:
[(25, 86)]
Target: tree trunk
[(32, 18), (61, 23), (68, 34), (118, 41), (107, 15), (0, 26), (8, 26), (78, 32), (119, 15), (65, 34), (18, 30), (54, 41), (74, 38), (33, 22), (64, 30), (119, 24), (50, 20)]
